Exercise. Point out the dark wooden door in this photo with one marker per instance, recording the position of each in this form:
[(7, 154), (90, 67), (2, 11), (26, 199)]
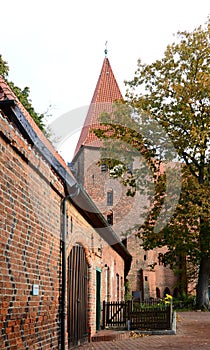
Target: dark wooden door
[(77, 297)]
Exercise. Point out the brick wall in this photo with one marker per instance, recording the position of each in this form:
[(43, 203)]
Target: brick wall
[(100, 255), (127, 212), (29, 247), (30, 254), (147, 273)]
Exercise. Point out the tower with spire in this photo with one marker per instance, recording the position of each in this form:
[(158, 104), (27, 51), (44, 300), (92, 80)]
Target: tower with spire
[(121, 211), (106, 93)]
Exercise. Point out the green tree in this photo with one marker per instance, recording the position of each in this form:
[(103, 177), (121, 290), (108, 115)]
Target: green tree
[(22, 95), (174, 93)]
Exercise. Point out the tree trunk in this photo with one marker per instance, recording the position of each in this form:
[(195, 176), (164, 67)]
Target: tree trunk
[(182, 275), (202, 300)]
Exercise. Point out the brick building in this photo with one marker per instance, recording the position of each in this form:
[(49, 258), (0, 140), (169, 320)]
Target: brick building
[(58, 256), (121, 211)]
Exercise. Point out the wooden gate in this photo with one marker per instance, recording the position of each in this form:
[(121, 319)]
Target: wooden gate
[(77, 297), (148, 315)]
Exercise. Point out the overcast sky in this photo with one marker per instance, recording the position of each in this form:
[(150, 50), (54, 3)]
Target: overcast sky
[(57, 47)]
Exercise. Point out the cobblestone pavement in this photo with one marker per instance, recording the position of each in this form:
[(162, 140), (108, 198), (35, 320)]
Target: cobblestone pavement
[(193, 333)]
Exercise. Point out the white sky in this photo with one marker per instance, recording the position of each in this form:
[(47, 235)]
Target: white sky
[(57, 47)]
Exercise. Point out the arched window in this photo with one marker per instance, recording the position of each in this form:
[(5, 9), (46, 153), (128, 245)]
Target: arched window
[(110, 196), (157, 292), (166, 291)]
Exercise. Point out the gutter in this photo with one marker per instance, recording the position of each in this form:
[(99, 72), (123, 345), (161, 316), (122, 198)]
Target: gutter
[(11, 109)]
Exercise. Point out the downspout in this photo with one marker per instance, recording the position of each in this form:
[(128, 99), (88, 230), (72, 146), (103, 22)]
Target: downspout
[(63, 251)]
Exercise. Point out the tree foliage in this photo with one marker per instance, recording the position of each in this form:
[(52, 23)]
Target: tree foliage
[(177, 95), (173, 93), (23, 95)]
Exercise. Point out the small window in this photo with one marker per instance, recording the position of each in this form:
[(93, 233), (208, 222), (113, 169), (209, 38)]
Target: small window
[(110, 217), (145, 278), (130, 169), (107, 281), (118, 286), (160, 256), (157, 292), (71, 224), (145, 257), (110, 197), (104, 168)]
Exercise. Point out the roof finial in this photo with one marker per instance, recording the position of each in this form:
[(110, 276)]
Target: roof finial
[(106, 51)]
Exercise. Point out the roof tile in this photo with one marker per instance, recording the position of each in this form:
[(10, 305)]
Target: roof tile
[(106, 92)]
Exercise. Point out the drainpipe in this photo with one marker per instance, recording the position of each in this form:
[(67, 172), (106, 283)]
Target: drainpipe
[(63, 250)]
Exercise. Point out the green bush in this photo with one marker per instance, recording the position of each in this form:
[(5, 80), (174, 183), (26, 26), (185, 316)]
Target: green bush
[(185, 302)]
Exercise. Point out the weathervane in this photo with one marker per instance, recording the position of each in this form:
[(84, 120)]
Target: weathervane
[(106, 51)]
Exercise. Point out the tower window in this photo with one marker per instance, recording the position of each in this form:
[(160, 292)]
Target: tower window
[(110, 217), (130, 169), (104, 168), (110, 197)]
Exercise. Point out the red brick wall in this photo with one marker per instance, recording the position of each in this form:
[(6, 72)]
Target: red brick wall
[(99, 255), (158, 277), (30, 226), (127, 212), (29, 246)]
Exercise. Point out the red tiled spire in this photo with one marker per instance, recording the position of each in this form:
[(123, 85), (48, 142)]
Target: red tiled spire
[(106, 92)]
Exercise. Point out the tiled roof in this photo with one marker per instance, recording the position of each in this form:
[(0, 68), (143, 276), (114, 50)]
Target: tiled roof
[(106, 92)]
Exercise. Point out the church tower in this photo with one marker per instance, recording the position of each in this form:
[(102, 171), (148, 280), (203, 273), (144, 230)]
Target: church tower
[(106, 92), (109, 195)]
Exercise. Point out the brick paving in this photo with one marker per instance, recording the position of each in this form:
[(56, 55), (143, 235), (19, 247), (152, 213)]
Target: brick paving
[(193, 333)]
